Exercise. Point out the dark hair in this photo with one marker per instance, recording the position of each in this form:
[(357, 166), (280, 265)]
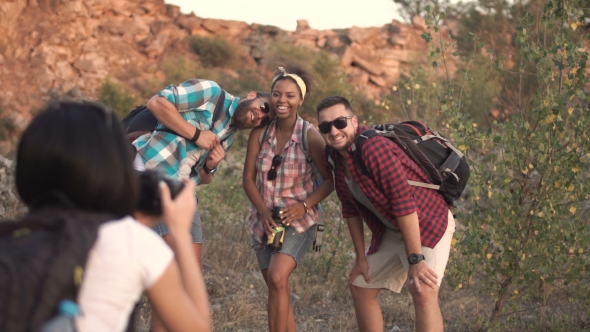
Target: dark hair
[(307, 78), (259, 94), (262, 94), (333, 100), (76, 154)]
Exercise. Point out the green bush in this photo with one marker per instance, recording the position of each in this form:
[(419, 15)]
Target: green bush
[(178, 69), (117, 96), (214, 51), (523, 234)]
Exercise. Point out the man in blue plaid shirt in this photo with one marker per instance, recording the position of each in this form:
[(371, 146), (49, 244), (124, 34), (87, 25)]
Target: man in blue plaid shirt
[(188, 109)]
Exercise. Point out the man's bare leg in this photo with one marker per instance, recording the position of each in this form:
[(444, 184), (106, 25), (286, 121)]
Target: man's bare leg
[(367, 309), (428, 315)]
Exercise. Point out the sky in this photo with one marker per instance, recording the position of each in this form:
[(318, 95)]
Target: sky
[(321, 14)]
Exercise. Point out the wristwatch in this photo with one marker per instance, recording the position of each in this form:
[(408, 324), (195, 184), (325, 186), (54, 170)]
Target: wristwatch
[(415, 259), (207, 170)]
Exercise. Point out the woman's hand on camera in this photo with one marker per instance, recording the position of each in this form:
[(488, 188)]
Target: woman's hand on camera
[(267, 221), (292, 212), (179, 213)]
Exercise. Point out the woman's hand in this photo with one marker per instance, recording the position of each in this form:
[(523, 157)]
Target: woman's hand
[(267, 222), (292, 213), (179, 213)]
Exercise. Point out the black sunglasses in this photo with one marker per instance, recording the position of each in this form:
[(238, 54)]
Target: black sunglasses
[(264, 107), (272, 173), (339, 123)]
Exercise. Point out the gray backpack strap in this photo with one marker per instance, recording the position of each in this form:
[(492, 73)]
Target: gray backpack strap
[(264, 133), (307, 153), (361, 198), (317, 244)]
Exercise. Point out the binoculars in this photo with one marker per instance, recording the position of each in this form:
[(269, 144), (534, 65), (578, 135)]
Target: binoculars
[(275, 240)]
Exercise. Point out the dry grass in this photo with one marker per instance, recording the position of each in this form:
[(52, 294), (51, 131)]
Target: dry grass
[(320, 298)]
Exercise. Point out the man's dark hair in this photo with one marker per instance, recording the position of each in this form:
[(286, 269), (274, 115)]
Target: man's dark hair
[(333, 100), (76, 154), (262, 94), (259, 94)]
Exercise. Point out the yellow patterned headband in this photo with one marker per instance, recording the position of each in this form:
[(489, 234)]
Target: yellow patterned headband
[(297, 79)]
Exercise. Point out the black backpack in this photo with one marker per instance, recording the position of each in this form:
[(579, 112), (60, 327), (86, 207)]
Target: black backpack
[(42, 258), (141, 121), (442, 162)]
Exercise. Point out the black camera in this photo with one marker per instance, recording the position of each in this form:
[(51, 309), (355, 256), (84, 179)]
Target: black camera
[(275, 240), (149, 190)]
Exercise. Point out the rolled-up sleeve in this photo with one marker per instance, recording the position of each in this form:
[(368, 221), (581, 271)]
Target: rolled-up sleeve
[(381, 158), (192, 94)]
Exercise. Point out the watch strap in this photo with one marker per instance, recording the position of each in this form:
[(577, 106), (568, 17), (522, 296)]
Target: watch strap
[(415, 258), (208, 170)]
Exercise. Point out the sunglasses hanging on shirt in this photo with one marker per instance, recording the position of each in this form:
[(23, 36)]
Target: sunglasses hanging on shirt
[(272, 172)]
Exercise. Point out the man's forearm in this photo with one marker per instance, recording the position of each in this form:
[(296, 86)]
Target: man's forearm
[(167, 114), (356, 229), (206, 178), (410, 229)]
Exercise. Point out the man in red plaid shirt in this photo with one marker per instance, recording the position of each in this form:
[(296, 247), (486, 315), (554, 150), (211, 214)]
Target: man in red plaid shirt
[(414, 246)]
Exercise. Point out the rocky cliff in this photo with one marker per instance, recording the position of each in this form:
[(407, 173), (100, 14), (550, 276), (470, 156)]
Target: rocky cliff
[(55, 47)]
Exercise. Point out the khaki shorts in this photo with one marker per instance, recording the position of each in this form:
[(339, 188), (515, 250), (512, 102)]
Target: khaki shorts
[(388, 266)]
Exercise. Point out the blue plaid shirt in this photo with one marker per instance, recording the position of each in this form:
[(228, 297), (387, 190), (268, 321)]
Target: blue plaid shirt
[(195, 99)]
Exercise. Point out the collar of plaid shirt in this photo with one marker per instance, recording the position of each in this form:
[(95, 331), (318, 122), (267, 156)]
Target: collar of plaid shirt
[(392, 196)]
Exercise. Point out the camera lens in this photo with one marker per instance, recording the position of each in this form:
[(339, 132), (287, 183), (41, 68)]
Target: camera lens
[(149, 191)]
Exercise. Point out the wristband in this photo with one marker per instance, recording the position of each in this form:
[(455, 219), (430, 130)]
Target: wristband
[(207, 170), (196, 135), (305, 206)]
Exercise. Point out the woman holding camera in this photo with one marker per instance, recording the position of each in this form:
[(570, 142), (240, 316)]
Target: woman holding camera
[(74, 158), (277, 178)]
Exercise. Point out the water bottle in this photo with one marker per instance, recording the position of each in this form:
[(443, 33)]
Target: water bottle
[(64, 321)]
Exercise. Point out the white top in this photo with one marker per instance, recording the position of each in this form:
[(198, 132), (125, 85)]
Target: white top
[(126, 259)]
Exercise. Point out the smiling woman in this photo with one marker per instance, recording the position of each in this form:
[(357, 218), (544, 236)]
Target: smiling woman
[(279, 182)]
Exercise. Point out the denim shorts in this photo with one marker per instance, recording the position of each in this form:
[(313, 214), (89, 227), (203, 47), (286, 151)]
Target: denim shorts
[(295, 245), (196, 229)]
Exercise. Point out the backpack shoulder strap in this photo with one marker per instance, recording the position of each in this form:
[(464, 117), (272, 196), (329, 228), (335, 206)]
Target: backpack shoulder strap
[(330, 154), (264, 133), (357, 149), (218, 108), (305, 145), (307, 152)]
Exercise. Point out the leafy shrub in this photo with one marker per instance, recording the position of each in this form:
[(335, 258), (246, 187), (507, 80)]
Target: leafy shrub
[(523, 228), (178, 69), (117, 96), (214, 51)]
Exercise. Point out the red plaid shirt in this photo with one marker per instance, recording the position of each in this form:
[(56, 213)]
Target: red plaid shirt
[(388, 189)]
